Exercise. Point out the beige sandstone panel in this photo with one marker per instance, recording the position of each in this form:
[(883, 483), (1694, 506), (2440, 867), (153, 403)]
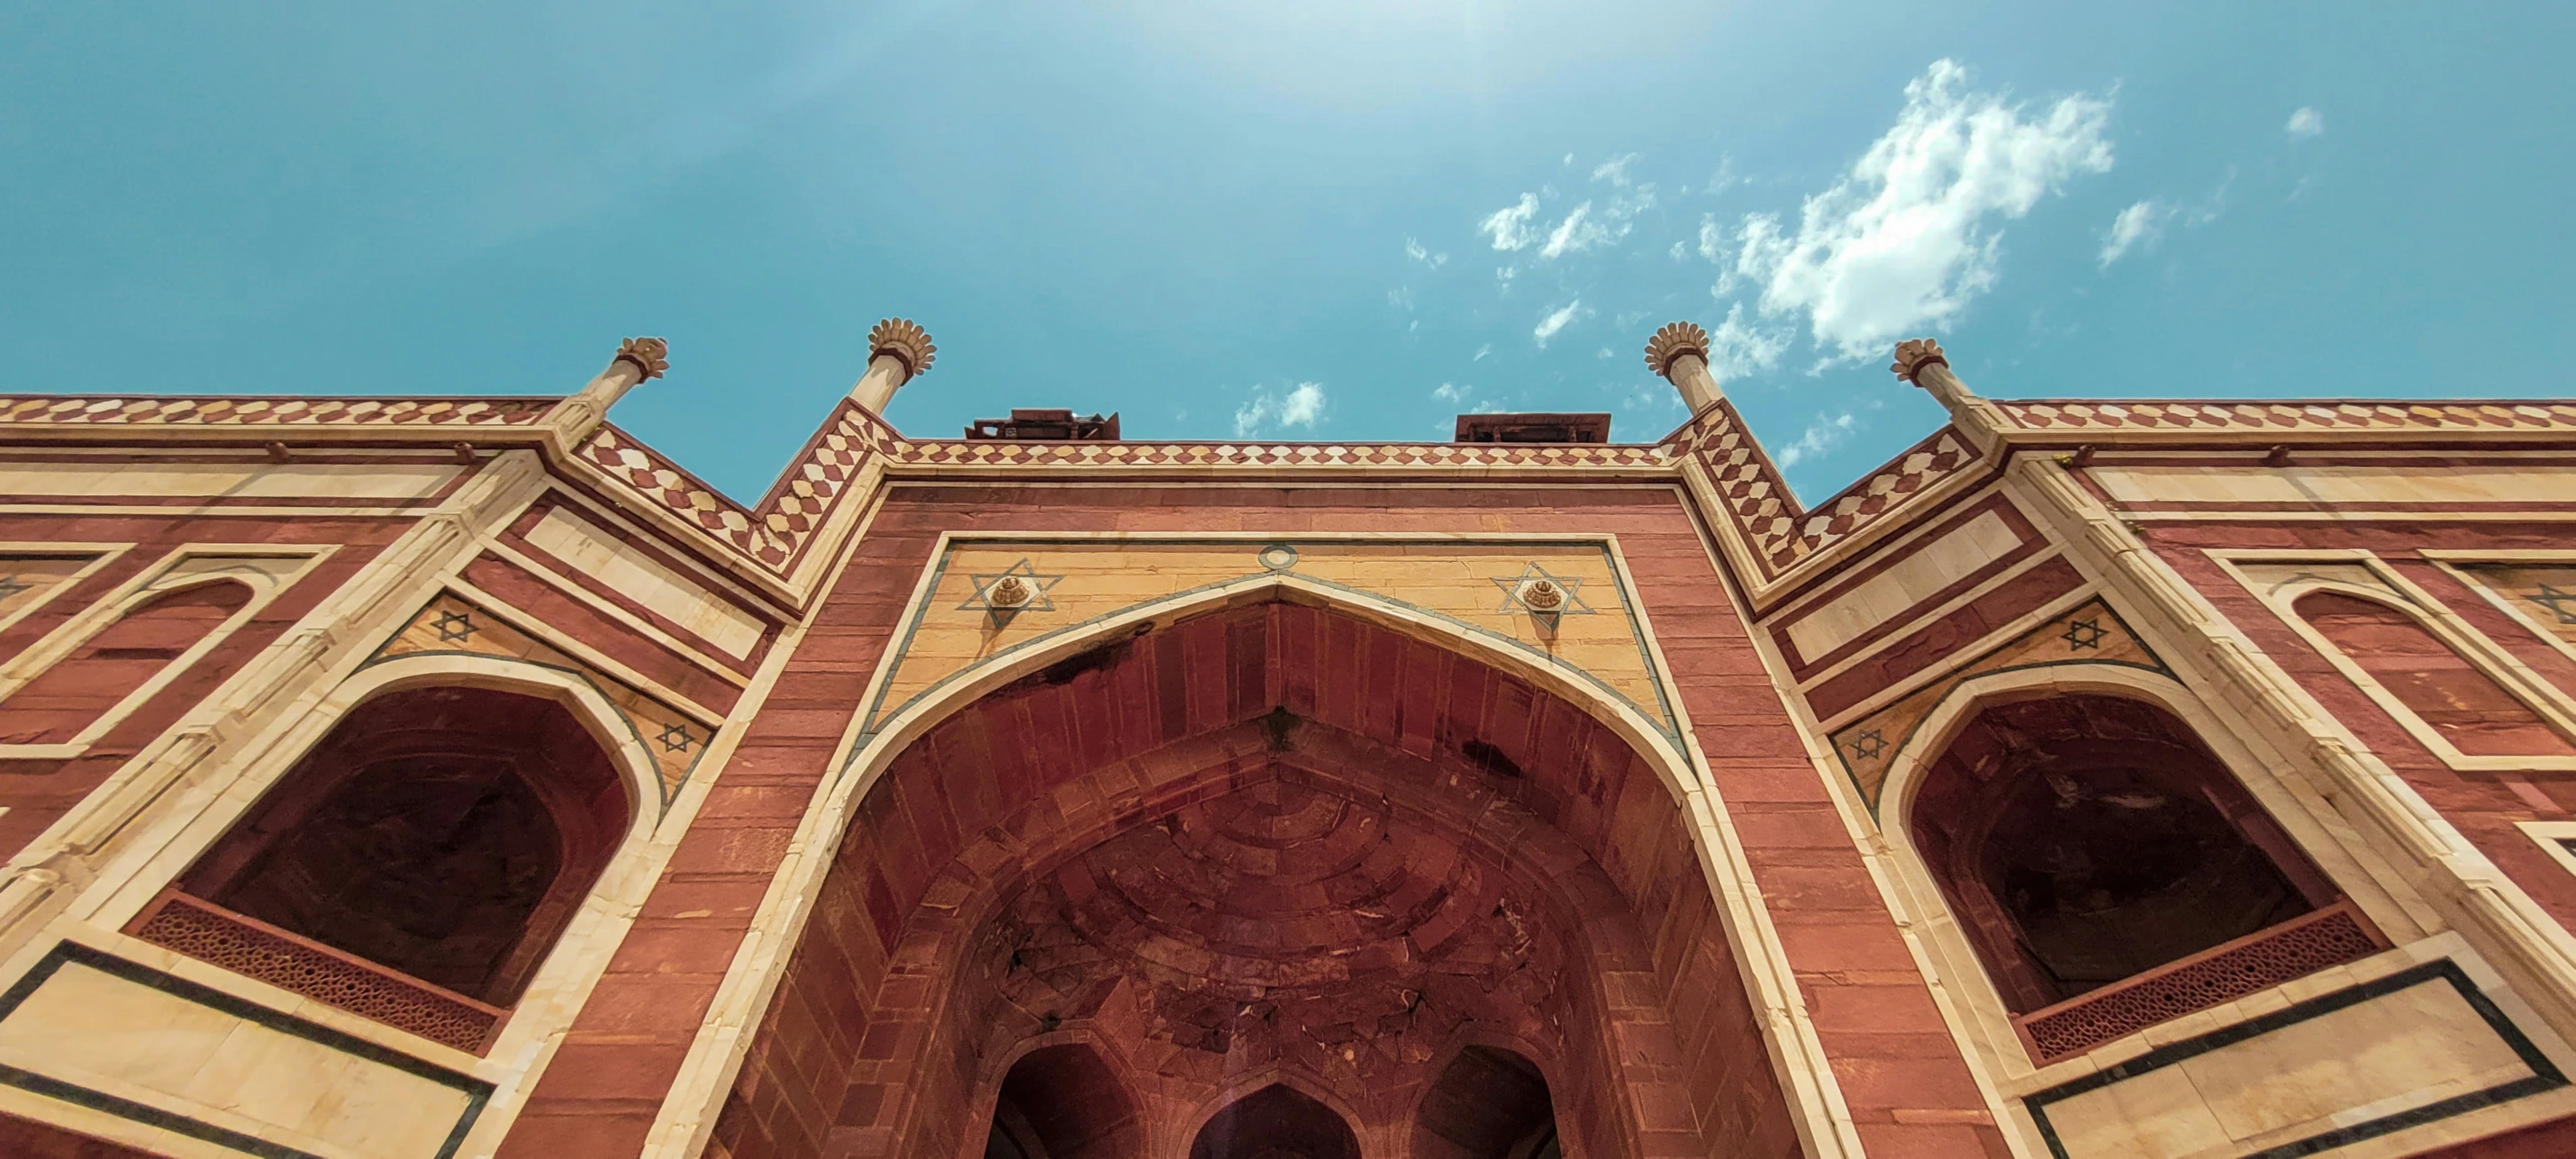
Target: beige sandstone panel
[(2332, 485), (25, 580), (451, 625), (1888, 594), (1472, 584), (228, 480), (641, 578), (126, 1040), (2544, 593), (2379, 1057)]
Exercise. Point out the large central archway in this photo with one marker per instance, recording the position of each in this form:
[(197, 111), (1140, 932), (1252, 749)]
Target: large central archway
[(1273, 848)]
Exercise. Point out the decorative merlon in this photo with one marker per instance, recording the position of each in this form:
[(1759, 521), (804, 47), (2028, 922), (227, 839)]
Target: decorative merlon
[(906, 341)]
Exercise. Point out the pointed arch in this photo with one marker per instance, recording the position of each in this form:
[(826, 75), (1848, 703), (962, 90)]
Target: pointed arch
[(953, 692), (527, 774), (1191, 701), (1067, 1099), (1285, 1113), (1487, 1103), (2442, 693), (2120, 738)]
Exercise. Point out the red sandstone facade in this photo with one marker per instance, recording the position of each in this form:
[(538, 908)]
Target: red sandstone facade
[(447, 777)]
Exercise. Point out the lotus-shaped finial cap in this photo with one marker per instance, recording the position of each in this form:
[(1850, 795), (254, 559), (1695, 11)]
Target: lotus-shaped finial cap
[(906, 341), (1913, 354), (650, 355), (1673, 341)]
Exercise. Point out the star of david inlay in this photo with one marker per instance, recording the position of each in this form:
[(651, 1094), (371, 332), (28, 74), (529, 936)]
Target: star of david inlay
[(1016, 589), (455, 627), (2086, 633), (675, 738), (1542, 593), (1868, 745), (2561, 604)]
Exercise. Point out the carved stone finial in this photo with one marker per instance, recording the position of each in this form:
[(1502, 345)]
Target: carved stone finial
[(1010, 592), (650, 355), (1913, 354), (1543, 596), (1673, 341), (906, 341)]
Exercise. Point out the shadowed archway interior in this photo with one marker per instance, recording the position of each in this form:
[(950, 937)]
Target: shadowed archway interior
[(2084, 839), (1274, 839), (445, 833), (1276, 1122)]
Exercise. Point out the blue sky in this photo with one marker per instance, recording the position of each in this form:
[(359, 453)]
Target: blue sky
[(1336, 219)]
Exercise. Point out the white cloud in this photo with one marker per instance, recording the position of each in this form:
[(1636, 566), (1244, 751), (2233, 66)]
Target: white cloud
[(2305, 123), (1678, 249), (1558, 320), (1510, 226), (1725, 178), (1902, 243), (1712, 238), (1413, 251), (1824, 434), (1739, 349), (2136, 224), (1301, 406), (1400, 297), (1482, 351), (1614, 170), (1452, 392), (1579, 232)]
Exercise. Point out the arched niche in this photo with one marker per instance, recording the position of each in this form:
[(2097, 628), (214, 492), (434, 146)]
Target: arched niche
[(1488, 1103), (2084, 838), (1064, 1102), (2459, 702), (61, 703), (1331, 799), (446, 834), (1276, 1122)]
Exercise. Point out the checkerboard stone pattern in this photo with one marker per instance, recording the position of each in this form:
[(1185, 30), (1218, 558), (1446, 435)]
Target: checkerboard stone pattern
[(1782, 531), (2290, 416), (963, 452), (462, 412)]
